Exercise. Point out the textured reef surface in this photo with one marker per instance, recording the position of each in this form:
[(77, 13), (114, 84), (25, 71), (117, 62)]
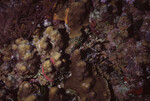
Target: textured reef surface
[(74, 50)]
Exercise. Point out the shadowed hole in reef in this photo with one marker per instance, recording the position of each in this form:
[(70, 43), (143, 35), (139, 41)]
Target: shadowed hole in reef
[(85, 52), (142, 6), (13, 96), (44, 93), (65, 38), (113, 97), (119, 6), (134, 29), (146, 87)]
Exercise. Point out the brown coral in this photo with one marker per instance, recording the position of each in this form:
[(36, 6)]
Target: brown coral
[(72, 16), (26, 90), (87, 86)]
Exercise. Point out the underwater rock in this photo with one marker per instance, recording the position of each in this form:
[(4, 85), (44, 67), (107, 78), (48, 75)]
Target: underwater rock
[(130, 60), (123, 24)]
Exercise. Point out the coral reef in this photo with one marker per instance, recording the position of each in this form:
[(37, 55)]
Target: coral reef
[(74, 50)]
